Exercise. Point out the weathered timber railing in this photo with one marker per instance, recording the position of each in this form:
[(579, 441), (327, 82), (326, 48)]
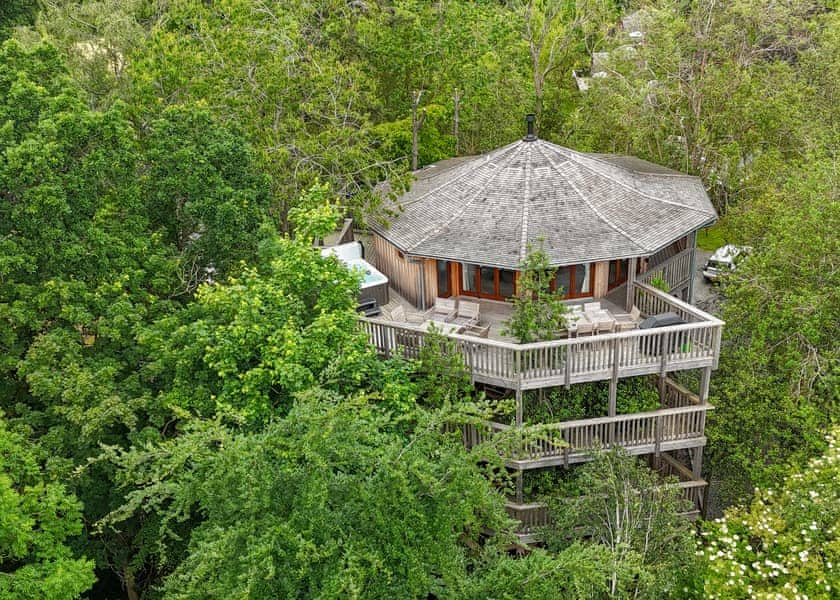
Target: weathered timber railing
[(533, 515), (694, 490), (575, 441), (676, 270), (677, 395), (564, 362)]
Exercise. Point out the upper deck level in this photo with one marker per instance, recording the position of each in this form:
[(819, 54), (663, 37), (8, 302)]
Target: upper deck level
[(564, 362)]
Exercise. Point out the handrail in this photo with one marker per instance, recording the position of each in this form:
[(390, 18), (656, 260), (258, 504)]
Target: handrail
[(571, 360), (563, 425), (604, 337), (675, 270), (685, 306)]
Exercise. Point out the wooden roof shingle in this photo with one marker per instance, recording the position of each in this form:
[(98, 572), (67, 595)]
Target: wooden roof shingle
[(584, 207)]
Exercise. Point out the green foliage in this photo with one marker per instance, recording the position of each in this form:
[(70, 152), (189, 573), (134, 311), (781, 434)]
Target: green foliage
[(315, 216), (711, 238), (211, 211), (435, 142), (250, 345), (574, 572), (786, 542), (590, 400), (661, 284), (442, 377), (777, 387), (331, 501), (37, 516), (538, 313), (626, 510)]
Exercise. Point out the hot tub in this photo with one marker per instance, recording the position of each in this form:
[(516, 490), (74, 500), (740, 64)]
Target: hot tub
[(374, 284)]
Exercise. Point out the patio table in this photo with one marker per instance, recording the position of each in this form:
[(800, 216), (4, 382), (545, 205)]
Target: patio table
[(572, 320), (442, 326), (600, 317)]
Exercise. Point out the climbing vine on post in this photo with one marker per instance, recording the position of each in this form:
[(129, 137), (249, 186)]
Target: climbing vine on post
[(538, 313)]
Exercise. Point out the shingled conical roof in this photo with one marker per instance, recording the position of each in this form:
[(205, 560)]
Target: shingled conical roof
[(585, 207)]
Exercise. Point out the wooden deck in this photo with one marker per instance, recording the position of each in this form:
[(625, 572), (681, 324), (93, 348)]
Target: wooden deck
[(695, 344), (678, 425)]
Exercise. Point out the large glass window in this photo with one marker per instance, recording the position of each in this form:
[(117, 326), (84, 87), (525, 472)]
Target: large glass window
[(443, 271), (575, 280), (583, 283), (617, 273), (488, 281), (469, 278), (563, 280), (507, 283)]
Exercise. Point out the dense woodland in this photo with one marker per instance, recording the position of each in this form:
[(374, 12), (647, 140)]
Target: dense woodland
[(187, 407)]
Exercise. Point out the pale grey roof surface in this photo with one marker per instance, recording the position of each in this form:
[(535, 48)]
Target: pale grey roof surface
[(585, 207)]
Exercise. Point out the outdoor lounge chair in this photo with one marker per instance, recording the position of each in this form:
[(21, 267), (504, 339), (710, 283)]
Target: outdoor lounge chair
[(634, 318), (591, 306), (467, 313), (443, 310)]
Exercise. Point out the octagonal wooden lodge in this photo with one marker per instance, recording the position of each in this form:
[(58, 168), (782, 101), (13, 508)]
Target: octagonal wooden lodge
[(609, 224), (466, 224)]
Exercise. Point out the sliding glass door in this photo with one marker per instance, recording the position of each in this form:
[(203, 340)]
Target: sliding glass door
[(487, 282)]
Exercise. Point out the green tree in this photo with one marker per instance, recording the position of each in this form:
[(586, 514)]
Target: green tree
[(37, 516), (634, 516), (786, 542), (778, 384), (538, 312), (337, 499)]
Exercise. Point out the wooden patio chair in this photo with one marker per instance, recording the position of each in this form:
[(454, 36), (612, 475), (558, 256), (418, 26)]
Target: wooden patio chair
[(585, 327), (627, 325), (633, 319), (398, 314), (606, 326), (591, 306), (467, 313), (443, 310)]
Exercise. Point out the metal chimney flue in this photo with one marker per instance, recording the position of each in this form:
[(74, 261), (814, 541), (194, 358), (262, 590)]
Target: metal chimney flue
[(529, 120)]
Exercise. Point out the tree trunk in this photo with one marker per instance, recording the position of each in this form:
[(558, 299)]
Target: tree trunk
[(416, 123), (457, 99), (130, 587)]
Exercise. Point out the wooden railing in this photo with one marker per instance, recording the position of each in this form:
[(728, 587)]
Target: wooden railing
[(676, 270), (575, 441), (694, 490), (677, 395), (533, 515), (567, 361)]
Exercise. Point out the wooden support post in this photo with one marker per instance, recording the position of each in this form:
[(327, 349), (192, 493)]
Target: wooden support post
[(631, 280), (614, 379), (697, 462), (705, 377), (692, 265), (662, 393), (519, 407), (519, 487), (568, 374)]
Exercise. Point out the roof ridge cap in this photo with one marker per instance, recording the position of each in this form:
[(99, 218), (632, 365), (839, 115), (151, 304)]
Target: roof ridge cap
[(592, 207), (523, 241), (465, 204)]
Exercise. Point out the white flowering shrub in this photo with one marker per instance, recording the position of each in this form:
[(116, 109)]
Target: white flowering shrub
[(786, 544)]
